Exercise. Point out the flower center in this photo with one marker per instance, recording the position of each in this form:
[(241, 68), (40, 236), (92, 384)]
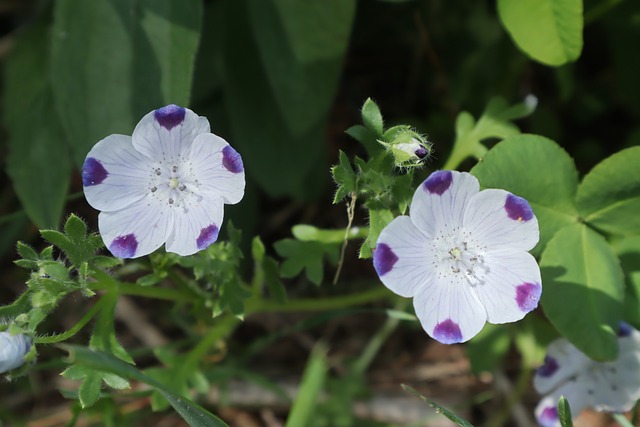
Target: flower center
[(459, 254), (174, 184)]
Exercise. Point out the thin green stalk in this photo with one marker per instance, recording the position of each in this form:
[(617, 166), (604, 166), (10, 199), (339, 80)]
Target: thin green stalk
[(75, 329), (375, 343), (106, 282), (257, 305), (223, 327)]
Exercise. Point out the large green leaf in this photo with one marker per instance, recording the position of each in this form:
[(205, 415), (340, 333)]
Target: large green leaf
[(609, 196), (38, 160), (283, 164), (301, 45), (539, 170), (114, 61), (549, 31), (583, 290), (193, 414), (628, 249)]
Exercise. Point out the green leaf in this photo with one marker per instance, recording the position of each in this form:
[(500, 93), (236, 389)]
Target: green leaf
[(549, 31), (439, 409), (89, 391), (75, 228), (628, 250), (579, 266), (609, 196), (276, 288), (549, 186), (345, 177), (193, 414), (250, 101), (372, 118), (564, 412), (26, 251), (365, 137), (306, 256), (309, 233), (112, 63), (301, 46), (315, 373), (104, 336), (487, 349), (38, 161)]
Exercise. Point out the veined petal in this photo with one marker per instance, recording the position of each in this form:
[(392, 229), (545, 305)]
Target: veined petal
[(136, 230), (401, 257), (449, 311), (196, 226), (562, 362), (498, 219), (114, 174), (618, 388), (511, 287), (167, 133), (218, 168), (439, 202)]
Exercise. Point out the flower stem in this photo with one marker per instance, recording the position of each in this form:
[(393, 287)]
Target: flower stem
[(75, 329)]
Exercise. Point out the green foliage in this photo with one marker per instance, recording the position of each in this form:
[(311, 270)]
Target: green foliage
[(549, 187), (193, 414), (549, 31), (303, 409), (564, 412), (305, 255), (609, 196), (112, 63), (439, 409), (578, 265), (38, 161), (628, 250), (487, 350)]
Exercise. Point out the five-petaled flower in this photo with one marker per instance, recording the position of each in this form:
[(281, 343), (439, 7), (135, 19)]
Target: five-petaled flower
[(13, 348), (462, 256), (167, 183), (604, 386)]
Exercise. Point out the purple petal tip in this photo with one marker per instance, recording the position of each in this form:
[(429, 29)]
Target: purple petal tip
[(383, 259), (528, 295), (231, 160), (438, 182), (447, 332), (170, 116), (124, 246), (549, 368), (93, 172), (517, 208), (549, 416), (421, 153), (624, 330), (207, 236)]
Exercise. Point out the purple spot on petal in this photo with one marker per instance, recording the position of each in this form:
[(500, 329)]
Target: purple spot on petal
[(517, 208), (447, 332), (528, 295), (383, 259), (124, 246), (207, 236), (169, 116), (624, 330), (549, 368), (549, 416), (421, 152), (93, 173), (231, 160), (438, 182)]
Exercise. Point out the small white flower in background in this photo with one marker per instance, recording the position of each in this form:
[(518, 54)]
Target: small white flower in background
[(167, 183), (13, 348), (462, 256), (604, 386)]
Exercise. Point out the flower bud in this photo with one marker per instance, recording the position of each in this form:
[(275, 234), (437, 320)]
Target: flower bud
[(13, 348), (407, 147)]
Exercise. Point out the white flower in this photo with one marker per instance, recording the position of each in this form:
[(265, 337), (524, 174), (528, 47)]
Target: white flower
[(604, 386), (462, 255), (167, 183), (13, 348)]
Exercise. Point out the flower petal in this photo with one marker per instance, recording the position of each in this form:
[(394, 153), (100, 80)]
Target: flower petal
[(166, 133), (562, 362), (511, 287), (196, 226), (449, 311), (401, 257), (497, 218), (114, 174), (576, 391), (137, 229), (218, 167), (439, 202)]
